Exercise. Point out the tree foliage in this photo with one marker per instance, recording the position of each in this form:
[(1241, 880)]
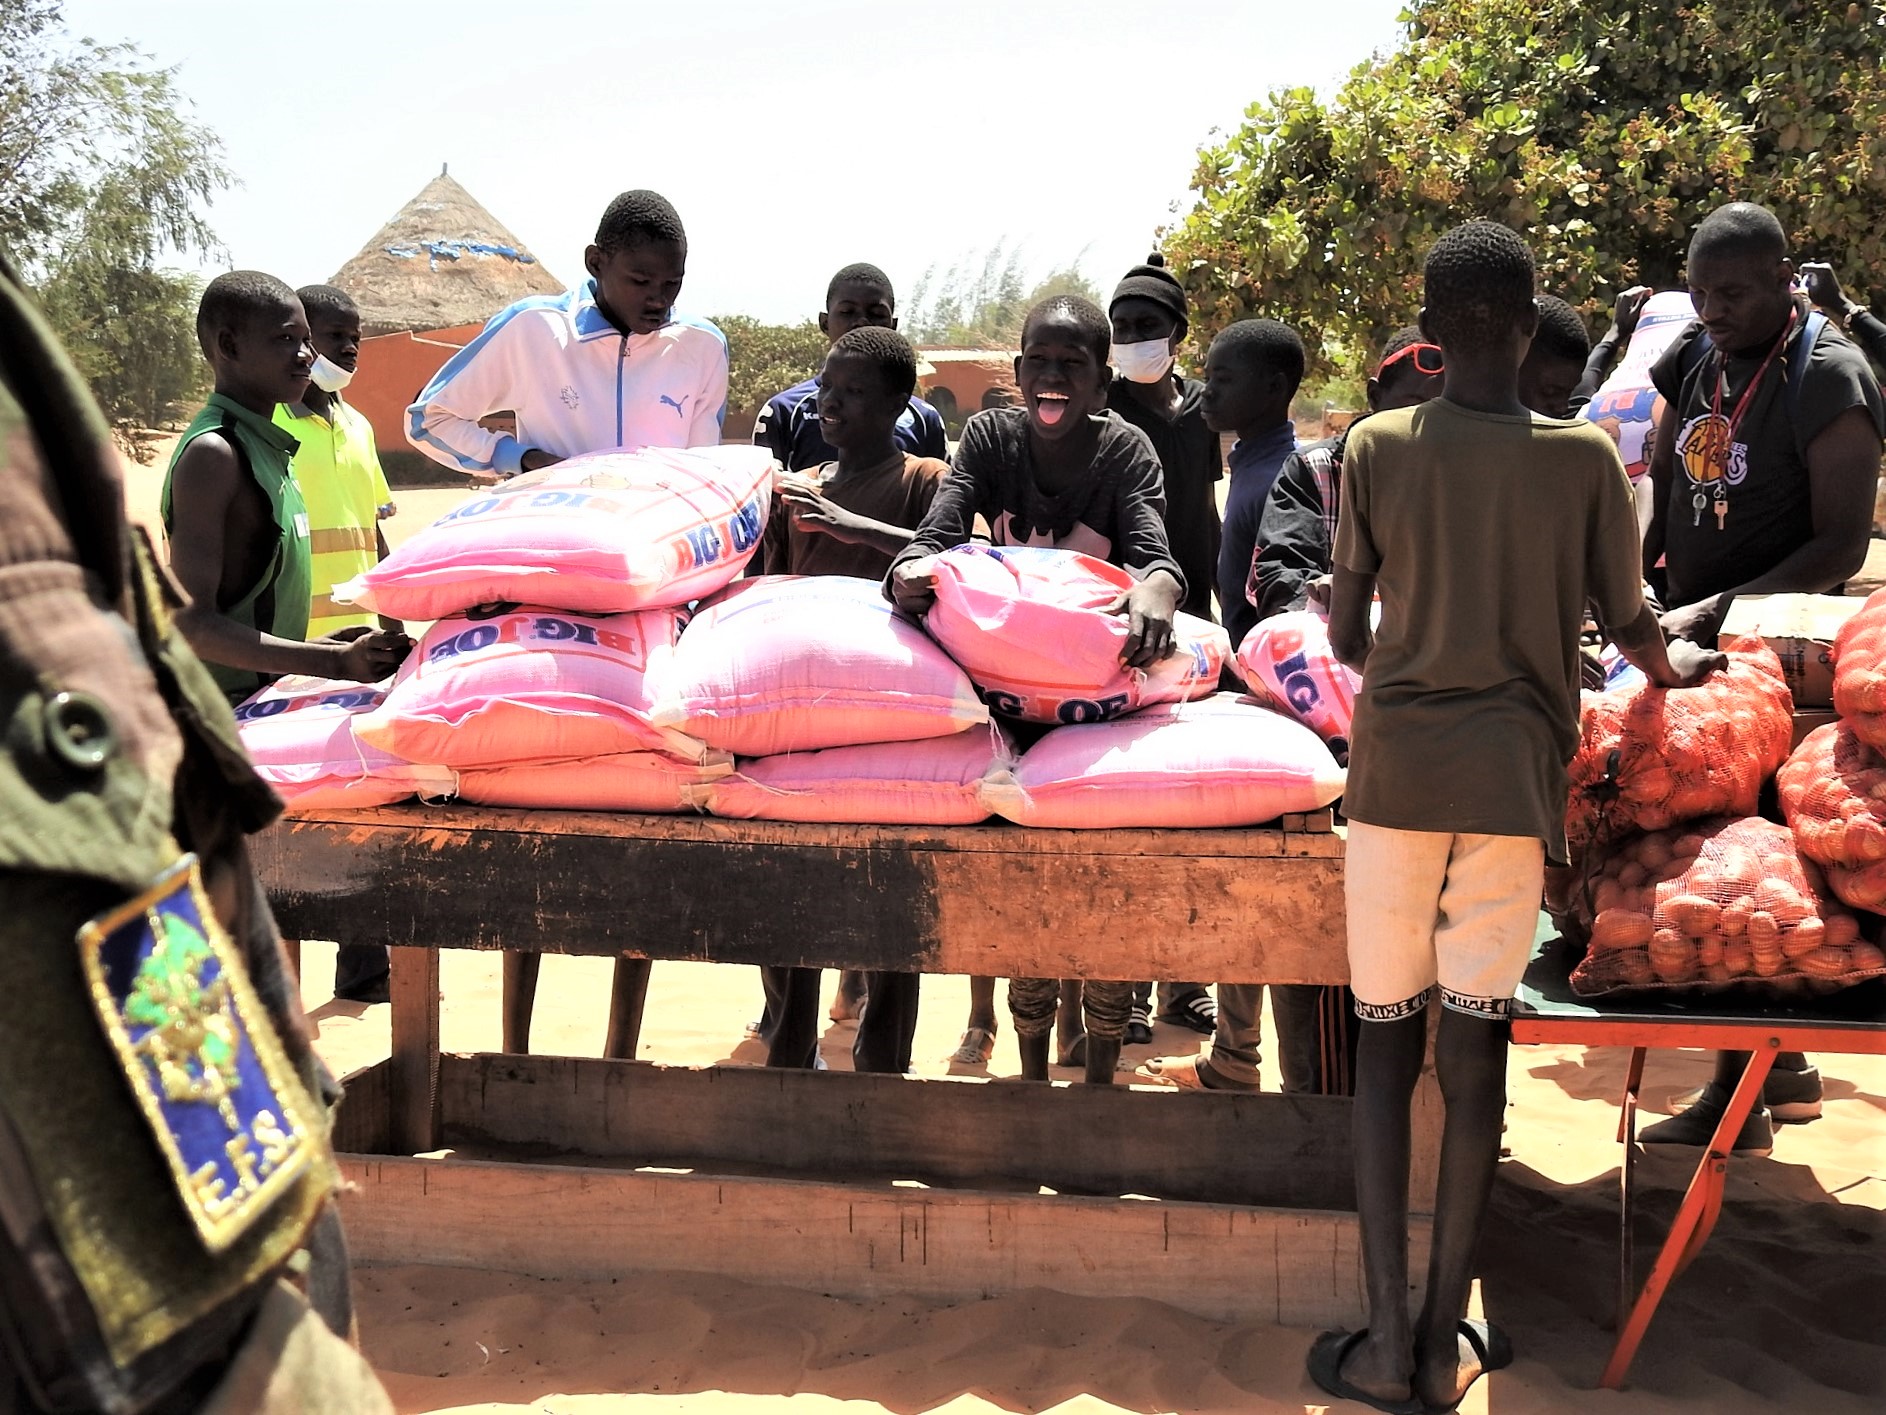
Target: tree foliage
[(1601, 129), (103, 173), (768, 358), (980, 300)]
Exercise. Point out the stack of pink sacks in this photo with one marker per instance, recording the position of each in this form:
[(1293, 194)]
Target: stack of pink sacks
[(1159, 748), (838, 708), (559, 597)]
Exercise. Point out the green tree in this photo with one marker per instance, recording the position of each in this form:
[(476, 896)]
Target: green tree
[(767, 358), (1601, 129), (103, 173), (980, 301)]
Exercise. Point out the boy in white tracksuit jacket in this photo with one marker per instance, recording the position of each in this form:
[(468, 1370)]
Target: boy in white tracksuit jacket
[(607, 365)]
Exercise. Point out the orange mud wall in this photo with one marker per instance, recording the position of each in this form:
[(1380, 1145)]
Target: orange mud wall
[(393, 368)]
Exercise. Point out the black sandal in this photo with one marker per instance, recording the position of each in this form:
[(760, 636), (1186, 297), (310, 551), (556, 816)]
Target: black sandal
[(1327, 1354)]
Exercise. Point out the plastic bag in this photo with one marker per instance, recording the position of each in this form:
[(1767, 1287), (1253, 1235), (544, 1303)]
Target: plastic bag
[(299, 732), (1030, 626), (797, 663), (600, 534), (1289, 658), (1218, 762)]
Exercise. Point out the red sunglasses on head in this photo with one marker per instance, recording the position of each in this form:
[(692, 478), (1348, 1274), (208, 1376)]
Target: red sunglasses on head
[(1427, 360)]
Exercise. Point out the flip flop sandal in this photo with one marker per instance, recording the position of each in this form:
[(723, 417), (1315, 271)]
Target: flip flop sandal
[(1491, 1345), (975, 1049), (1179, 1072), (1198, 1012), (1327, 1354), (1075, 1055)]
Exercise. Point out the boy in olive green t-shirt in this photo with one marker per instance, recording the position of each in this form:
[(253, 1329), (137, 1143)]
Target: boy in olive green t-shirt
[(236, 523), (1487, 529)]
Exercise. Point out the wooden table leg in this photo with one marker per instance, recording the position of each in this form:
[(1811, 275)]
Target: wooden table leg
[(520, 998), (627, 996), (291, 950), (1702, 1203), (1633, 1083), (1627, 1203), (415, 1066)]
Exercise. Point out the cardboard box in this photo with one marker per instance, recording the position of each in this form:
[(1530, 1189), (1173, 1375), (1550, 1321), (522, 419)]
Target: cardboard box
[(1800, 628), (1806, 721)]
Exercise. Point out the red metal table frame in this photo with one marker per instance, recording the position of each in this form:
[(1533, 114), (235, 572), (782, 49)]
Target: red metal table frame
[(1553, 1019)]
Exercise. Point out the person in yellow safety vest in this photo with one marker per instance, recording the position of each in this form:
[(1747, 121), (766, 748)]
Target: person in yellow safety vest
[(337, 466)]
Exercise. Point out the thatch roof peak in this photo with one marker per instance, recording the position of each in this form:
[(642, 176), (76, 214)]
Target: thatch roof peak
[(443, 260)]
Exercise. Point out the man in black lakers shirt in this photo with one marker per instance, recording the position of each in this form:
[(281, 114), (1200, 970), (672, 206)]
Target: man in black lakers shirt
[(1765, 463)]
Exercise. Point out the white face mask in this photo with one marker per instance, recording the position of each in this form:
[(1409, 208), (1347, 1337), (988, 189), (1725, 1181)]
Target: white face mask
[(1145, 362), (327, 376)]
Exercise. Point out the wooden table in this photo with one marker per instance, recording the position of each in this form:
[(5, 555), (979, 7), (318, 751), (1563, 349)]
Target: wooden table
[(1547, 1011), (1263, 1182)]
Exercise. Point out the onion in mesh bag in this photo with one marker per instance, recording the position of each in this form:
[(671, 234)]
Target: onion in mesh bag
[(1860, 671), (1650, 758), (1718, 902)]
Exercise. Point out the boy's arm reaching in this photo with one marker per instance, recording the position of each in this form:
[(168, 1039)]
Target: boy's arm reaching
[(1676, 664), (949, 522), (1292, 542), (204, 486), (809, 510), (479, 379)]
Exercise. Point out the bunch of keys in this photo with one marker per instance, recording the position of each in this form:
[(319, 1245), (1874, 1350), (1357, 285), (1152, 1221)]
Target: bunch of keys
[(1700, 503)]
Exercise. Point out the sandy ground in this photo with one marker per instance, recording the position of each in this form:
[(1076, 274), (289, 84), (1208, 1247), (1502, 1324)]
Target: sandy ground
[(1784, 1311)]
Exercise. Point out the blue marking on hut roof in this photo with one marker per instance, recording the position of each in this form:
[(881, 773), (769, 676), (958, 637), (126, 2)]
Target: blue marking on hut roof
[(437, 251)]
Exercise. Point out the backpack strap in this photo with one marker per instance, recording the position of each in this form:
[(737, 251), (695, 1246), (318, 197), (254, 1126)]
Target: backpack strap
[(1794, 372)]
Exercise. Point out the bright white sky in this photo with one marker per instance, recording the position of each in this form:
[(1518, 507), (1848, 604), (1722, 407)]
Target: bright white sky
[(793, 137)]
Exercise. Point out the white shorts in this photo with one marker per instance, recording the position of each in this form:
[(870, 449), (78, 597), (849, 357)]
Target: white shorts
[(1428, 908)]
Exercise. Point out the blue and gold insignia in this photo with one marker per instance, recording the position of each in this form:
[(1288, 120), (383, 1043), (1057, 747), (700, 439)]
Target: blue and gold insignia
[(199, 1053)]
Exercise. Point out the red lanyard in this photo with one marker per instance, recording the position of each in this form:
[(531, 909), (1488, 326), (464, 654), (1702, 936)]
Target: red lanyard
[(1748, 394)]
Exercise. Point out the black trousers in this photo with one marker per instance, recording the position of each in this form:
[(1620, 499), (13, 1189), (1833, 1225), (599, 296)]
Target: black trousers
[(885, 1030)]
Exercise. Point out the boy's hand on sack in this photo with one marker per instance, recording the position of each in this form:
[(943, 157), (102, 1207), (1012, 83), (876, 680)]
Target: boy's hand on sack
[(913, 586), (1148, 607), (1693, 664), (364, 655)]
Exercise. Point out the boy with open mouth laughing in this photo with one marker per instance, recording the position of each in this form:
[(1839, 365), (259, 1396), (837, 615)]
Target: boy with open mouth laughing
[(1059, 471)]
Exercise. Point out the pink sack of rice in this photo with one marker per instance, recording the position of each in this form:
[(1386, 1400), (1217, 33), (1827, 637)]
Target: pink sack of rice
[(796, 663), (1287, 660), (934, 782), (1220, 761), (627, 781), (299, 731), (530, 685), (599, 534), (1031, 627)]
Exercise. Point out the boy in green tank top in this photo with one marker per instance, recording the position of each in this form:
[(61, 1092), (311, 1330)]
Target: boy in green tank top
[(236, 523)]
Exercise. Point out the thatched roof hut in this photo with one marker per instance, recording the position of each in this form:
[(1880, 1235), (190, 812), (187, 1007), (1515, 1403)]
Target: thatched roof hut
[(442, 260)]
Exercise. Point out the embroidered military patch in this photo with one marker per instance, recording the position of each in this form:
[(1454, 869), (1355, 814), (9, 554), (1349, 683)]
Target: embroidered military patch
[(199, 1053)]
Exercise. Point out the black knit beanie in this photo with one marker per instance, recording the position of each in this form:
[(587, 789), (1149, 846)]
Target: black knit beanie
[(1152, 281)]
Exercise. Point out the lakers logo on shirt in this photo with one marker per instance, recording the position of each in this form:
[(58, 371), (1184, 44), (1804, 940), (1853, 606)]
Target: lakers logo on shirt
[(1706, 453)]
